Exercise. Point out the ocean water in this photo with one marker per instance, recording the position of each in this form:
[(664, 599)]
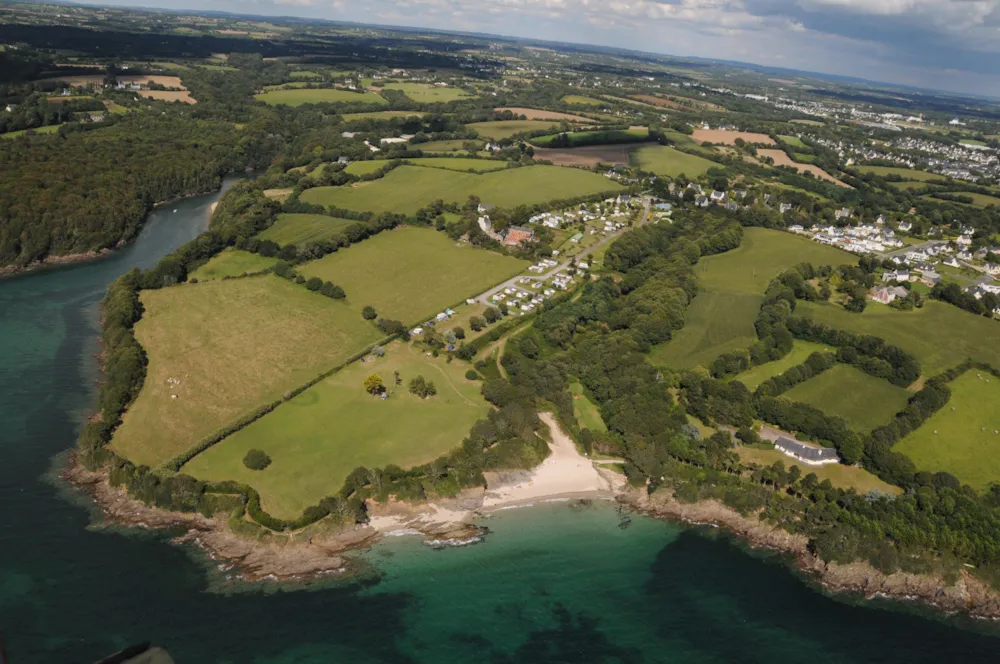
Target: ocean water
[(557, 582)]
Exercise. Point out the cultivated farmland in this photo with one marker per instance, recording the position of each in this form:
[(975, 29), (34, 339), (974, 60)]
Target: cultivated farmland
[(301, 229), (586, 156), (535, 114), (408, 188), (428, 94), (233, 263), (323, 434), (664, 160), (324, 96), (224, 348), (501, 129), (411, 274), (731, 286), (960, 438), (863, 400), (781, 159)]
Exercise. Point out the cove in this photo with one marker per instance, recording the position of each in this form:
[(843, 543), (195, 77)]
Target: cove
[(557, 582)]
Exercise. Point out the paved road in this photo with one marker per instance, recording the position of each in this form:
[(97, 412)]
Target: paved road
[(485, 298)]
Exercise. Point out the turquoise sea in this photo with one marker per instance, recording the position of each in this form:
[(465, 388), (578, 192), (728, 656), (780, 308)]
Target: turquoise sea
[(558, 582)]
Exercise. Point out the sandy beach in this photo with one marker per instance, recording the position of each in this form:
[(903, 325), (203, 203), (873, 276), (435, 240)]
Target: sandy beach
[(566, 474)]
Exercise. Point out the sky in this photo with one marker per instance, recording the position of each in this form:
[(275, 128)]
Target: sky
[(937, 44)]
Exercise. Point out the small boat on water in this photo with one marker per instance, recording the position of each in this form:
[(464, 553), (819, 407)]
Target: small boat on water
[(175, 210)]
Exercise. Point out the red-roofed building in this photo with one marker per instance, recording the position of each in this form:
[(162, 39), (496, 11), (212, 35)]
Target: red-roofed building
[(516, 235)]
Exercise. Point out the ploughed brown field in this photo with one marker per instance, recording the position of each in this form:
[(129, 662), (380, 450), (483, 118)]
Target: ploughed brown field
[(781, 159), (587, 156), (729, 137), (535, 114), (168, 95)]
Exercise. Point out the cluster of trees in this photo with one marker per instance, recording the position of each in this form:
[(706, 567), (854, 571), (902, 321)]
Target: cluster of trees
[(422, 387), (952, 293), (38, 111)]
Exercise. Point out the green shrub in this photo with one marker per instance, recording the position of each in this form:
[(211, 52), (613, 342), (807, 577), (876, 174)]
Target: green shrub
[(256, 460)]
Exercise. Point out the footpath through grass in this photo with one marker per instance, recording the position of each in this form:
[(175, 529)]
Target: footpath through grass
[(232, 263), (316, 439), (406, 189), (301, 229), (224, 348), (731, 287), (961, 438), (863, 400), (410, 274)]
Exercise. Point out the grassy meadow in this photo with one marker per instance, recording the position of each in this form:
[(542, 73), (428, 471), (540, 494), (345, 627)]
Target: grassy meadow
[(939, 335), (409, 188), (298, 97), (580, 100), (428, 94), (960, 437), (47, 129), (459, 163), (301, 229), (665, 160), (442, 146), (365, 167), (381, 115), (905, 173), (845, 477), (731, 286), (316, 439), (596, 137), (586, 411), (978, 200), (232, 263), (412, 273), (501, 129), (794, 141), (863, 400), (224, 348), (801, 351)]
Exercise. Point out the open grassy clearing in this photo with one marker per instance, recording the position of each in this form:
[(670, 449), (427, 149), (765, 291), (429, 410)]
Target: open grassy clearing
[(459, 163), (586, 156), (408, 188), (939, 335), (47, 129), (794, 141), (580, 100), (365, 167), (788, 187), (803, 158), (232, 263), (801, 351), (428, 94), (325, 96), (728, 136), (596, 137), (304, 74), (665, 160), (381, 115), (224, 348), (300, 229), (908, 185), (585, 410), (863, 400), (978, 200), (410, 274), (536, 114), (441, 146), (316, 439), (905, 173), (731, 286), (811, 123), (960, 437), (972, 141), (845, 477), (501, 129)]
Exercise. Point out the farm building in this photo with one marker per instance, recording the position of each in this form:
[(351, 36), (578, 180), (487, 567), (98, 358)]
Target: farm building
[(814, 456), (516, 235)]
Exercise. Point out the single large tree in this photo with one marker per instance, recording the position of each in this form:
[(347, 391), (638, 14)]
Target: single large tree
[(373, 384)]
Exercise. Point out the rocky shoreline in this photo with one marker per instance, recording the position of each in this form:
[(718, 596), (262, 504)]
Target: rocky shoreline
[(55, 261), (967, 595)]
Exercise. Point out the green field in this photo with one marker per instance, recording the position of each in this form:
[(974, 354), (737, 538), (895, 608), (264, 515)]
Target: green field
[(232, 263), (323, 434), (800, 353), (409, 188), (325, 96), (578, 100), (300, 229), (587, 414), (441, 146), (905, 173), (960, 437), (863, 400), (411, 274), (665, 160), (845, 477), (365, 167), (972, 141), (47, 129), (939, 335), (978, 200), (506, 128), (803, 158), (907, 185), (304, 74), (731, 286), (459, 163), (596, 137), (794, 141), (381, 115), (224, 348), (428, 94)]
